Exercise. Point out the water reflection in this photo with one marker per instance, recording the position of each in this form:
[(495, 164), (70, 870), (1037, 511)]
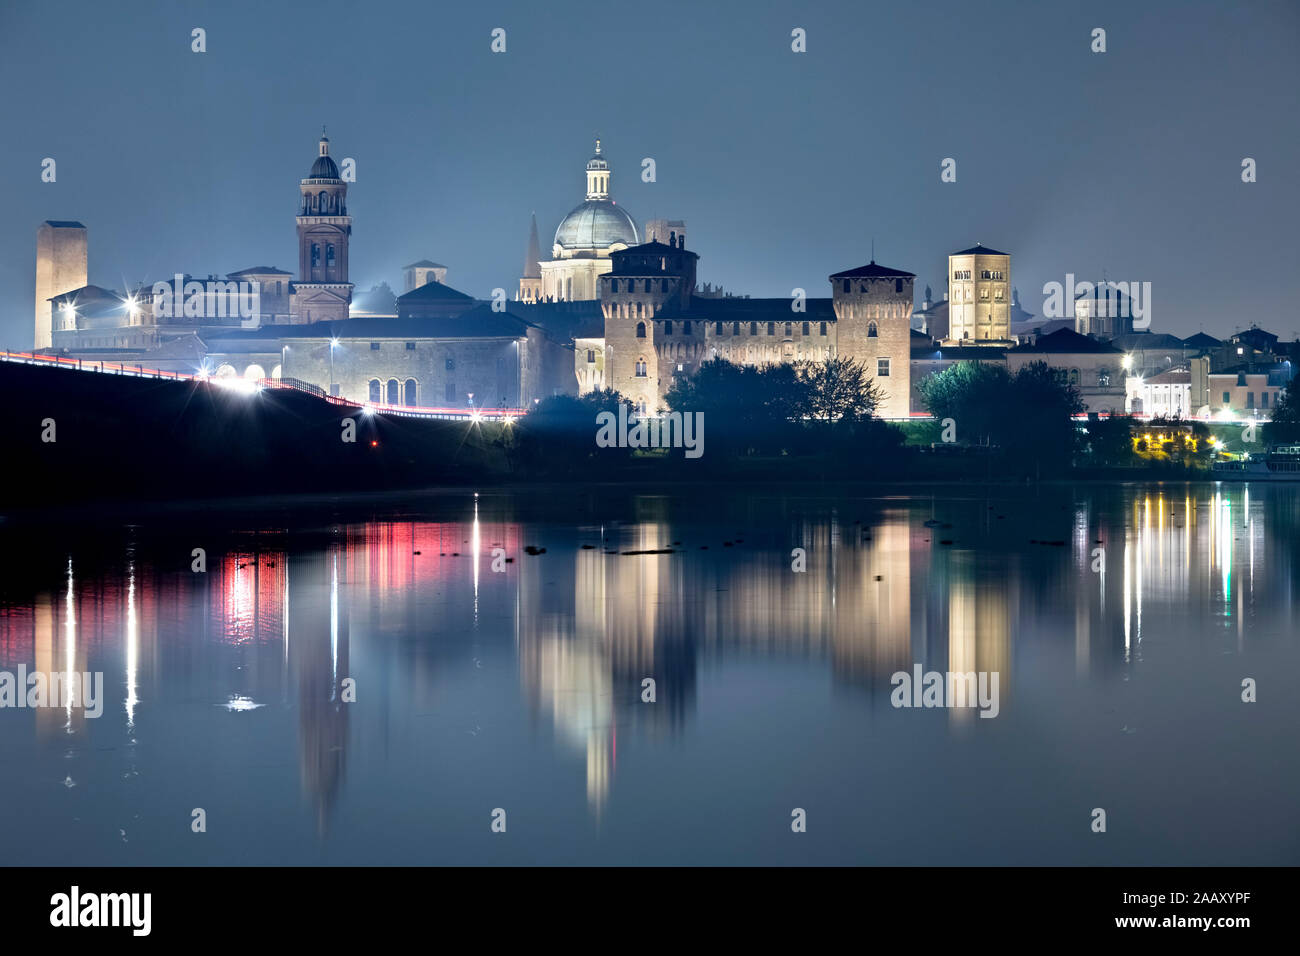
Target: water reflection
[(423, 615)]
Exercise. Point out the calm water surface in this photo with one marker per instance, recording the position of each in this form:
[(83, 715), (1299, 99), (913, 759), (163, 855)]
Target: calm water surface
[(521, 688)]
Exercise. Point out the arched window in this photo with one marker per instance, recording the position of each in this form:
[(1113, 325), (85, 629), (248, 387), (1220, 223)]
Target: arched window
[(735, 328), (409, 388), (393, 397), (898, 285), (789, 329), (315, 255), (376, 391), (771, 328), (1074, 376), (640, 368), (823, 330), (640, 330), (568, 288), (329, 255), (871, 330), (686, 327), (668, 327), (321, 207), (753, 328), (806, 328)]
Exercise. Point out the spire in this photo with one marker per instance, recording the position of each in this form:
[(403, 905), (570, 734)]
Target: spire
[(532, 270)]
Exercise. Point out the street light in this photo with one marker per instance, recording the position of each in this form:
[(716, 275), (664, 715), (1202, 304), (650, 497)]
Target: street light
[(334, 386)]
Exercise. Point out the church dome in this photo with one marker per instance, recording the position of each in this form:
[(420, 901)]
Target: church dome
[(323, 168), (596, 224)]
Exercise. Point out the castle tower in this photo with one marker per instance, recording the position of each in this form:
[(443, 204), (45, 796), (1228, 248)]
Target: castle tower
[(873, 310), (323, 291), (979, 296), (639, 346), (60, 267), (668, 231), (530, 284)]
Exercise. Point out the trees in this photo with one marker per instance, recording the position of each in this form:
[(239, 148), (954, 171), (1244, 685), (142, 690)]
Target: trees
[(975, 395), (1285, 423), (836, 390), (559, 436), (784, 409), (1029, 415)]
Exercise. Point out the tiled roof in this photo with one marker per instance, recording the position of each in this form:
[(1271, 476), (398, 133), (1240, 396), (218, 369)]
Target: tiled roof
[(1067, 341), (873, 271)]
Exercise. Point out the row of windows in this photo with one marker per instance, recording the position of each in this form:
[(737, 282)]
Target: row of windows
[(882, 368), (329, 255), (718, 328), (847, 286), (1073, 377), (1250, 399), (989, 274), (629, 285), (324, 204), (394, 393)]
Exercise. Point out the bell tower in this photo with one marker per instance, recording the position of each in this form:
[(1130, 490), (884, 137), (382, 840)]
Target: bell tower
[(324, 229)]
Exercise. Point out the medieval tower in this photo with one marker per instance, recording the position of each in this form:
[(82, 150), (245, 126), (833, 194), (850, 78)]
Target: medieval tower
[(645, 280), (873, 310), (60, 267)]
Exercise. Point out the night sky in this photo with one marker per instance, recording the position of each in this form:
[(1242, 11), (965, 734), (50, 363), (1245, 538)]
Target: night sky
[(785, 166)]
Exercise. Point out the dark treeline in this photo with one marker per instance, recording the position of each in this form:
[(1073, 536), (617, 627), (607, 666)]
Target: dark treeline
[(125, 437), (812, 420)]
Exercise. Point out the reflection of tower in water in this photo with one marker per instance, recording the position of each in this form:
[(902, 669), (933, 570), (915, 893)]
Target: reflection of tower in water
[(869, 581), (979, 622), (318, 649), (590, 630)]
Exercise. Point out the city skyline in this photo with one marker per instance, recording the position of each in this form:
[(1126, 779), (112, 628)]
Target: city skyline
[(148, 215)]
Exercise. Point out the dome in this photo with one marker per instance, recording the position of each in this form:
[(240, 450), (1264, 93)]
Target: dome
[(596, 224), (323, 168)]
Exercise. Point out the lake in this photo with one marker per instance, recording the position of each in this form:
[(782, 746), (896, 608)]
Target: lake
[(380, 681)]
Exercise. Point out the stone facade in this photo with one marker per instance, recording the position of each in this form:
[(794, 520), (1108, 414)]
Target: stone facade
[(979, 297), (642, 281), (873, 309), (61, 266), (323, 291)]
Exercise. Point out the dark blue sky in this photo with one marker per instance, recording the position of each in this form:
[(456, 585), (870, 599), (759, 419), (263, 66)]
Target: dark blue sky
[(784, 165)]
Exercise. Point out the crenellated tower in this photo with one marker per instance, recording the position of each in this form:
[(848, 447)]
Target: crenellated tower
[(873, 312)]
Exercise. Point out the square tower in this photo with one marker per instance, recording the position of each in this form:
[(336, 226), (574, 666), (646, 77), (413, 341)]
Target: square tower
[(60, 267), (644, 281), (873, 310)]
